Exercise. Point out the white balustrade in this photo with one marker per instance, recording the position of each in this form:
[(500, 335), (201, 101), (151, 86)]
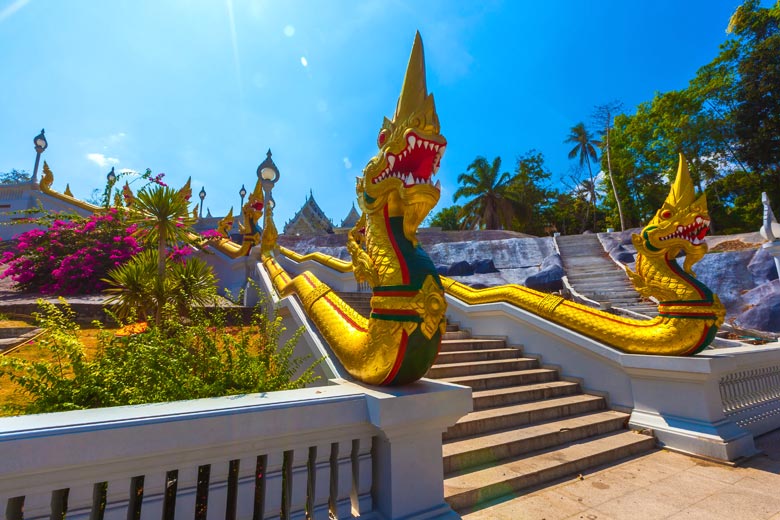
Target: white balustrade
[(281, 455)]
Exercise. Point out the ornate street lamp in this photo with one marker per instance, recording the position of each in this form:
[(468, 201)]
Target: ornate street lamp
[(111, 179), (202, 196), (268, 174), (242, 194), (40, 145)]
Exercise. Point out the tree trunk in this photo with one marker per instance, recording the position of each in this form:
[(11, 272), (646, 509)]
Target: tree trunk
[(614, 188), (162, 247)]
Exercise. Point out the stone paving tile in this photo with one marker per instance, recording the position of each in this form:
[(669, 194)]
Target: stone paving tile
[(591, 514), (717, 471), (739, 503), (597, 488), (661, 484), (547, 505), (639, 504)]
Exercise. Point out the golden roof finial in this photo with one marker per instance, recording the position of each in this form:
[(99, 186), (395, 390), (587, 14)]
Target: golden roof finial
[(67, 190), (682, 194), (47, 179), (414, 90)]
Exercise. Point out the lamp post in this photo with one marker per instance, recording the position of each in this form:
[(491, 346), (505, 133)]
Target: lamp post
[(242, 194), (202, 196), (268, 174), (40, 145), (111, 179)]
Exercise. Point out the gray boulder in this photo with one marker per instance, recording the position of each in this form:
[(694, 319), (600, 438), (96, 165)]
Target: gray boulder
[(484, 266), (461, 268), (550, 277), (762, 308), (762, 267)]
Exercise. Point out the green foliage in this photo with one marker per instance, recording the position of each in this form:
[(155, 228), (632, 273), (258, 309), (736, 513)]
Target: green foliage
[(174, 362), (528, 188), (448, 219), (492, 204), (136, 290), (15, 176)]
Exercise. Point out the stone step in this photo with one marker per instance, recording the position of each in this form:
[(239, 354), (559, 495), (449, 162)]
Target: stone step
[(505, 379), (465, 491), (451, 345), (484, 399), (467, 356), (486, 449), (452, 327), (502, 418), (15, 332), (490, 366), (455, 334)]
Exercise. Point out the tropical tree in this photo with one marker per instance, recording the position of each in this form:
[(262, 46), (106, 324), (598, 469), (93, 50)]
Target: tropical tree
[(529, 189), (448, 219), (584, 149), (15, 176), (164, 222), (492, 205), (603, 116)]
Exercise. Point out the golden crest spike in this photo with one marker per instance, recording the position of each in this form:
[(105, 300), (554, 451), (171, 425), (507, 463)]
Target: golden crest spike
[(682, 193), (186, 190), (67, 190), (414, 89)]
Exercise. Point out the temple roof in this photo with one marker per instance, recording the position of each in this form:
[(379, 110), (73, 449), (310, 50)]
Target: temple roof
[(351, 219), (309, 220)]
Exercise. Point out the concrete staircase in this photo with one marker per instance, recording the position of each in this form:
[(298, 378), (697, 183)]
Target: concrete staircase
[(593, 274), (528, 427)]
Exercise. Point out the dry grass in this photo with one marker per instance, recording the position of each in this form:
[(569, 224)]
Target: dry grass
[(32, 351)]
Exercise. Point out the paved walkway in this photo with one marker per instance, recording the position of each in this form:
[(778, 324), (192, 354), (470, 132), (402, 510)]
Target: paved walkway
[(660, 485)]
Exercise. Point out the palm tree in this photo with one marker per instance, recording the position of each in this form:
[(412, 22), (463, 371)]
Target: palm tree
[(493, 206), (585, 148), (163, 218)]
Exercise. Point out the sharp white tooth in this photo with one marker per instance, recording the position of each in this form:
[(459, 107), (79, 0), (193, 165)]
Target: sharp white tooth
[(698, 220), (411, 141), (436, 147), (391, 160), (409, 179), (426, 143), (438, 184)]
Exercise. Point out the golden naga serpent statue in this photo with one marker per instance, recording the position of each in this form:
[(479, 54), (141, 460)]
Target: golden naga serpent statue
[(401, 339)]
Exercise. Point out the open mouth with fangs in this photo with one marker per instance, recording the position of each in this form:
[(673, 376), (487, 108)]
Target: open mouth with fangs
[(416, 164), (693, 232)]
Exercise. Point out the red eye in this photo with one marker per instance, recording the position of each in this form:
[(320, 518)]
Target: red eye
[(382, 138), (666, 213)]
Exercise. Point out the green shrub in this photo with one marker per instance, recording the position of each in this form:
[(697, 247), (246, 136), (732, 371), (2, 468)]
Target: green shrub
[(175, 361)]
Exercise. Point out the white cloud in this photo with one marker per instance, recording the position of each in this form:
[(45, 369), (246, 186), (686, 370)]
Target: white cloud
[(101, 160), (289, 31), (347, 163), (11, 9), (304, 61)]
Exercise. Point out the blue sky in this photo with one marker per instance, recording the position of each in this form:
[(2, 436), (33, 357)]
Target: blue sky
[(204, 88)]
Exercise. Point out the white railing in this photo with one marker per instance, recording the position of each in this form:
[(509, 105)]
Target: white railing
[(338, 451), (751, 398)]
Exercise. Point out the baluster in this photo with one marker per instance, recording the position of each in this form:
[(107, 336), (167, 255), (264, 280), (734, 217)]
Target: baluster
[(80, 501), (251, 486), (300, 476), (118, 498), (186, 487), (318, 488), (341, 479), (13, 507), (272, 505), (362, 476), (154, 495), (218, 490)]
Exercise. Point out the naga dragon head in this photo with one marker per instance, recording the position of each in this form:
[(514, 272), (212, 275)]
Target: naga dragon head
[(401, 174), (680, 224)]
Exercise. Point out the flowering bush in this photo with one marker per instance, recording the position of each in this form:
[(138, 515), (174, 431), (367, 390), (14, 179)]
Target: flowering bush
[(72, 255)]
